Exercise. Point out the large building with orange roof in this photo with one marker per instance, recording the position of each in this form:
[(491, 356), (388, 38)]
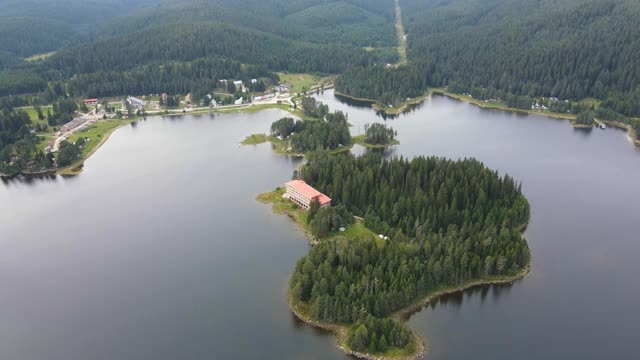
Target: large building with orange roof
[(303, 194)]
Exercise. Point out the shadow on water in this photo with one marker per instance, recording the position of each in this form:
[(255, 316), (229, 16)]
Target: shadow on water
[(299, 324), (27, 179), (456, 299), (583, 132), (354, 103), (386, 153)]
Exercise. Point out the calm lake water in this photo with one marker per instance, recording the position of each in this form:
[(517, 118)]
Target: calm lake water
[(158, 250)]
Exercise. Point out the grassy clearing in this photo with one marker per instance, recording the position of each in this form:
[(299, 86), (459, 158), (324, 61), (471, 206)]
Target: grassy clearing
[(283, 206), (38, 57), (360, 140), (402, 41), (299, 82), (255, 139), (33, 114), (96, 133), (279, 146)]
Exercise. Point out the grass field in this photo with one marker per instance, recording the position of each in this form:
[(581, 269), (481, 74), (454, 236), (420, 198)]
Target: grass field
[(255, 139), (33, 114), (95, 133), (38, 57), (285, 207), (299, 82), (360, 141)]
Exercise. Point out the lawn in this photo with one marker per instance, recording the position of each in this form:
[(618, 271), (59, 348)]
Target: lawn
[(95, 133), (33, 114), (299, 82), (255, 139), (360, 140), (39, 57), (282, 206)]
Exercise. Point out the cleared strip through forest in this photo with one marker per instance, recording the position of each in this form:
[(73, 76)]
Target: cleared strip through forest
[(402, 40)]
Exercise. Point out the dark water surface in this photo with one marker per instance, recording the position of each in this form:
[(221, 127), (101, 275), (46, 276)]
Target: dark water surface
[(158, 250)]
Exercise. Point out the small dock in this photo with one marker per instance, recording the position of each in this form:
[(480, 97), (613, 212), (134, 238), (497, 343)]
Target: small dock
[(600, 124)]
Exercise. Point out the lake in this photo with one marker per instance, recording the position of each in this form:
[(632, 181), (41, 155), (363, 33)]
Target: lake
[(158, 250)]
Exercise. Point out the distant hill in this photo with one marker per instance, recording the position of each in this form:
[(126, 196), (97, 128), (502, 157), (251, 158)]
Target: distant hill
[(318, 36), (29, 27)]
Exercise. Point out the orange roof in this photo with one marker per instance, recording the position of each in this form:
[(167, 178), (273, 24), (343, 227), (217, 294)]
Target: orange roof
[(324, 199), (308, 191)]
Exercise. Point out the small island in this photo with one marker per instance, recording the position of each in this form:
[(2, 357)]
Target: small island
[(398, 233), (321, 130)]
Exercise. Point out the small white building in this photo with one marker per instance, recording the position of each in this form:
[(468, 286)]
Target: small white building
[(135, 102), (238, 102)]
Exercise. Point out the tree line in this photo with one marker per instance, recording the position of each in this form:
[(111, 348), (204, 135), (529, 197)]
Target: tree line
[(197, 77)]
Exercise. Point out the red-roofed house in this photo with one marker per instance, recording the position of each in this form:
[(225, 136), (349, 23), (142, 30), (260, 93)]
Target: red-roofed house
[(91, 101), (302, 194)]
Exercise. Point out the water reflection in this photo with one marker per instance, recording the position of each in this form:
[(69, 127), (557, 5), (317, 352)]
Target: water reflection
[(27, 179), (583, 132), (354, 103), (455, 300)]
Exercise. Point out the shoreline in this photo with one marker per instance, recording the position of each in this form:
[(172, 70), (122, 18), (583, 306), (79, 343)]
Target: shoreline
[(406, 105), (340, 331), (77, 166), (402, 315), (438, 91)]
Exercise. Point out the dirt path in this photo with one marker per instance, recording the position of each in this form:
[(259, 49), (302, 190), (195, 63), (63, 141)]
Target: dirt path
[(402, 37)]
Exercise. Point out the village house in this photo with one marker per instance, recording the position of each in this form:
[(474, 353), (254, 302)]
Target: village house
[(90, 102), (303, 194), (72, 124)]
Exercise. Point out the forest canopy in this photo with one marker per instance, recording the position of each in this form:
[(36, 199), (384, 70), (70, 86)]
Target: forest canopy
[(447, 222)]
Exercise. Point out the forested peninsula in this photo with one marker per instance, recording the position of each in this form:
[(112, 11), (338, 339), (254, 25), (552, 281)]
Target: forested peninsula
[(423, 227)]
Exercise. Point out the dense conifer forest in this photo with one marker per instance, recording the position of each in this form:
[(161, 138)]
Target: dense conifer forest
[(447, 222), (379, 134), (514, 50), (301, 36), (328, 131)]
